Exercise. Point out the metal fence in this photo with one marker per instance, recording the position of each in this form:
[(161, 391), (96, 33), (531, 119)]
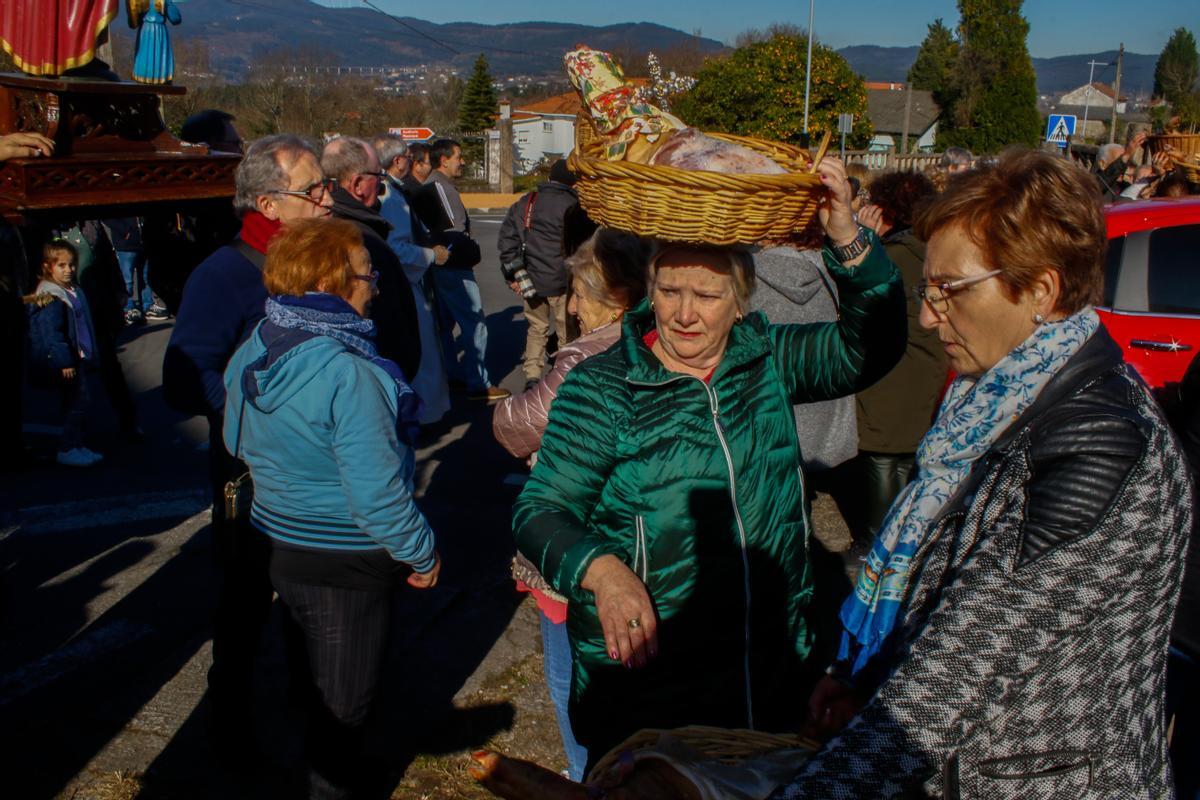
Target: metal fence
[(916, 162)]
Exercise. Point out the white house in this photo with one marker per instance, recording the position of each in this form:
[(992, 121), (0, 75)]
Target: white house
[(885, 109), (545, 129), (1098, 95)]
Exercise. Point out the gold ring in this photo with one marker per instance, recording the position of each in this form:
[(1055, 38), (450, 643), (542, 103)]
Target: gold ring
[(635, 623)]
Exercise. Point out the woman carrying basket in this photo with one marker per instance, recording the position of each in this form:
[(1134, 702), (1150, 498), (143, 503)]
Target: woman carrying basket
[(667, 501)]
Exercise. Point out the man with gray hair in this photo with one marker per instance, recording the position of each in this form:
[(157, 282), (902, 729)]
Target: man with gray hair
[(279, 181), (955, 160), (430, 381), (354, 164), (1111, 162)]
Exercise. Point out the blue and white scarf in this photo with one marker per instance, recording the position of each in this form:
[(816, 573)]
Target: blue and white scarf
[(324, 314), (974, 414)]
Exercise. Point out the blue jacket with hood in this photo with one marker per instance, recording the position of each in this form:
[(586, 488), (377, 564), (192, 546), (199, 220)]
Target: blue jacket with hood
[(318, 431)]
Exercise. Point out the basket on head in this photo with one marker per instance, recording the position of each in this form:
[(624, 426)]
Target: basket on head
[(1180, 145), (696, 206), (725, 745)]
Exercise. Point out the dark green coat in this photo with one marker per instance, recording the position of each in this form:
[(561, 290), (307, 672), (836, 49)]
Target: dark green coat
[(698, 489)]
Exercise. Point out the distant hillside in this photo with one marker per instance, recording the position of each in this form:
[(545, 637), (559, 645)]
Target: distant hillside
[(1054, 75), (236, 33)]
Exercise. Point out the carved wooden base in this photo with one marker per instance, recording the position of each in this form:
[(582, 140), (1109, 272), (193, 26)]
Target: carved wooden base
[(111, 148)]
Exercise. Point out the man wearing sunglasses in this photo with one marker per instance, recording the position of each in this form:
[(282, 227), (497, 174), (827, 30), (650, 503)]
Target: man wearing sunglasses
[(354, 164), (278, 182)]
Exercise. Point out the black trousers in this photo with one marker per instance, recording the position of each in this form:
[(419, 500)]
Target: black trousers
[(345, 635), (864, 488)]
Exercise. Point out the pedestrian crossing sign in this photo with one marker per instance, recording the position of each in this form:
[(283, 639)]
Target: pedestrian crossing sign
[(1060, 128)]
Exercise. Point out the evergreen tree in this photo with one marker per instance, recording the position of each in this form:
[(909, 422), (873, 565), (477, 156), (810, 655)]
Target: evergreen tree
[(758, 90), (478, 106), (1175, 77), (993, 100), (934, 66)]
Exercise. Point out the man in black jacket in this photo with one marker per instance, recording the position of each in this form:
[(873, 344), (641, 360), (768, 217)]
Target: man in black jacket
[(535, 233), (354, 164)]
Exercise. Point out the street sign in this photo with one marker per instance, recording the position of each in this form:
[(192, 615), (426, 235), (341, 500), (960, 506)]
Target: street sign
[(845, 123), (1060, 128), (413, 134)]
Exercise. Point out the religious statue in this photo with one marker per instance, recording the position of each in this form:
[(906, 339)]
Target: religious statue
[(49, 37), (153, 59)]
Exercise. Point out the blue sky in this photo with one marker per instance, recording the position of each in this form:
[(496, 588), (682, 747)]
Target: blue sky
[(1057, 27)]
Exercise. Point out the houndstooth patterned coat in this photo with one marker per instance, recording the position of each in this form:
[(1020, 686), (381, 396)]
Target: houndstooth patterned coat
[(1032, 649)]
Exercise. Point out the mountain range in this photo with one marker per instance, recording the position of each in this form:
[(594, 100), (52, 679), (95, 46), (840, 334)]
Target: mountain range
[(242, 35)]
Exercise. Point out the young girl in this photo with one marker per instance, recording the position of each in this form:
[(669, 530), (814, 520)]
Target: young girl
[(62, 343)]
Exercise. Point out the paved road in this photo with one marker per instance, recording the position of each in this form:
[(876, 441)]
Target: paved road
[(104, 634)]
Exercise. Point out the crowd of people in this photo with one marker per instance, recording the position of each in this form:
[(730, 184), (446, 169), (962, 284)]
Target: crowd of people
[(927, 353)]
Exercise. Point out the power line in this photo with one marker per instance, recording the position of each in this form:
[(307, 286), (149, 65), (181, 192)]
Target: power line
[(417, 31)]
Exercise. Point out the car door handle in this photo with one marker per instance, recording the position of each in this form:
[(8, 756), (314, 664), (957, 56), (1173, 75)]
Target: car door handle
[(1162, 347)]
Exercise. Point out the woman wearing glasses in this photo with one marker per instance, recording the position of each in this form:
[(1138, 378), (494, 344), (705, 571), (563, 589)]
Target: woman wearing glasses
[(325, 426), (1008, 634)]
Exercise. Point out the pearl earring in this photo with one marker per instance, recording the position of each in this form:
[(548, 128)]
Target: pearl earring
[(1038, 319)]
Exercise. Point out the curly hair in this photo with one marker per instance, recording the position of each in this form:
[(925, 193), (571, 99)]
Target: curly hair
[(1030, 212), (899, 194), (309, 253)]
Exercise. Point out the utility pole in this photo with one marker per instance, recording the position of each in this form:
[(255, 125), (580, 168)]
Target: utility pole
[(1112, 128), (808, 68), (1087, 102)]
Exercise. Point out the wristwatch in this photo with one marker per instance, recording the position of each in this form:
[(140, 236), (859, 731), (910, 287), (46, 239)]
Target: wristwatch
[(851, 251)]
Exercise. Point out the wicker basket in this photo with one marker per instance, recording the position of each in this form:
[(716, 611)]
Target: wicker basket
[(1181, 145), (726, 745), (682, 205)]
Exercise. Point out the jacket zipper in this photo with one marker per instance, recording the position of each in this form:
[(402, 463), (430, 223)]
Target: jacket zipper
[(639, 546), (737, 515)]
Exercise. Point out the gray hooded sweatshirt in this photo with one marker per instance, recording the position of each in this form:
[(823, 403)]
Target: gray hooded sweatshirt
[(794, 287)]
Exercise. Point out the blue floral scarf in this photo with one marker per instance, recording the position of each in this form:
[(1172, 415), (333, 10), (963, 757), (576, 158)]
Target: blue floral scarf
[(329, 315), (974, 414)]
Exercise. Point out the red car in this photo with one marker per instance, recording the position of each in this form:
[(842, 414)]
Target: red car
[(1151, 303)]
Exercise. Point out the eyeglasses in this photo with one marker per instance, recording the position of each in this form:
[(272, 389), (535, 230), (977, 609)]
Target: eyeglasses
[(937, 295), (381, 174), (371, 277), (314, 193)]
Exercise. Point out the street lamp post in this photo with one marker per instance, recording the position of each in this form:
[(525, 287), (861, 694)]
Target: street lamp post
[(808, 66), (1087, 98)]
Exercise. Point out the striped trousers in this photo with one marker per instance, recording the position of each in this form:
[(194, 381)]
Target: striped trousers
[(345, 633)]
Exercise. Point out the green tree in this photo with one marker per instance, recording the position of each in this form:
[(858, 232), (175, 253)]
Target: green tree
[(1175, 76), (758, 90), (934, 67), (478, 106), (1177, 68), (993, 95)]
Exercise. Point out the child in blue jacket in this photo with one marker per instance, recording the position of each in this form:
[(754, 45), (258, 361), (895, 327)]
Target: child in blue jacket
[(62, 343)]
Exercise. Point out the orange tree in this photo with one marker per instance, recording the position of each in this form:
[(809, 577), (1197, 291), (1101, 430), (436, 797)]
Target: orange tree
[(758, 90)]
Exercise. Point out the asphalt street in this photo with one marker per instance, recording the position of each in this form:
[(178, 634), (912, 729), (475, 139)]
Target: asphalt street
[(109, 589)]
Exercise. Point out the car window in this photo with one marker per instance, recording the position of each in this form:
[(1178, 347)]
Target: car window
[(1175, 270), (1112, 268)]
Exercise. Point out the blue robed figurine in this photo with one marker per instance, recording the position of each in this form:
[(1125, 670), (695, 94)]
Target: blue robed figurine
[(153, 60)]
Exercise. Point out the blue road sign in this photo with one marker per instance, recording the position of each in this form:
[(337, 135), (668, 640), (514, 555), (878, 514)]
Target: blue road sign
[(1060, 128)]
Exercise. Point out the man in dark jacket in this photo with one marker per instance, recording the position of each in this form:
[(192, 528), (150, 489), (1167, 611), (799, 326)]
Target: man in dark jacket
[(279, 181), (354, 164), (534, 235)]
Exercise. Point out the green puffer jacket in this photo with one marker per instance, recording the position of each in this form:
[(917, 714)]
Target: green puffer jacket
[(698, 489)]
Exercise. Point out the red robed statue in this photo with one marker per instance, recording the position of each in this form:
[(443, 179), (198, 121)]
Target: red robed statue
[(49, 37)]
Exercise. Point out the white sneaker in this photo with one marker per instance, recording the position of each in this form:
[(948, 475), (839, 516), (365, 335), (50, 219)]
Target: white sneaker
[(92, 454), (77, 457)]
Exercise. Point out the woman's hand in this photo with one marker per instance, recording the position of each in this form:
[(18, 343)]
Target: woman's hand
[(621, 598), (24, 145), (837, 218), (831, 707), (872, 217), (426, 580), (69, 373)]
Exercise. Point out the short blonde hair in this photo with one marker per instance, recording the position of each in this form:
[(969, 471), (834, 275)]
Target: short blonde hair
[(740, 268), (611, 266), (311, 252)]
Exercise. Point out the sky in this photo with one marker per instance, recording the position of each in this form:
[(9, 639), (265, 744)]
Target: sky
[(1057, 27)]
